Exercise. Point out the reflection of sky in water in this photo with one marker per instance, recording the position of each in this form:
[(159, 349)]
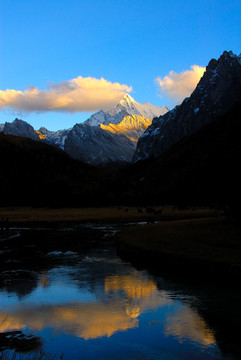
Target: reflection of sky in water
[(108, 314), (55, 294)]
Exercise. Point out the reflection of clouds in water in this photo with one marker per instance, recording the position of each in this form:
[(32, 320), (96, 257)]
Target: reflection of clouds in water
[(9, 322), (186, 324), (128, 297), (92, 320), (82, 320)]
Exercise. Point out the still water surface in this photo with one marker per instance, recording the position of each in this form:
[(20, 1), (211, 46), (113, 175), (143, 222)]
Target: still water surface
[(96, 306)]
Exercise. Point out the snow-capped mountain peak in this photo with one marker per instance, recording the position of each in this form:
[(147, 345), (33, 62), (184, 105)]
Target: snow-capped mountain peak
[(127, 102), (126, 106)]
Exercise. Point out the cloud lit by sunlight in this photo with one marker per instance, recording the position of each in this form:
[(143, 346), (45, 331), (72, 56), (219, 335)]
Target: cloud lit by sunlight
[(75, 95), (179, 86)]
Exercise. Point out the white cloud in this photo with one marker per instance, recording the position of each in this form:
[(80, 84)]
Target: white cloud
[(75, 95), (179, 86)]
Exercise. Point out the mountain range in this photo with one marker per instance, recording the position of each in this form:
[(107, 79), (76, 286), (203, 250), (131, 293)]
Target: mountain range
[(126, 106), (106, 137), (190, 154)]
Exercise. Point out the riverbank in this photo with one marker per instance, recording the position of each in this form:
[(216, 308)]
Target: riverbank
[(210, 246), (31, 216), (192, 240)]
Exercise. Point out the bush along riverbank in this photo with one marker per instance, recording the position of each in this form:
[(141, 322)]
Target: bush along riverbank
[(209, 247)]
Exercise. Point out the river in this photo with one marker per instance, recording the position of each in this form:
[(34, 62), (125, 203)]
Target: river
[(95, 305)]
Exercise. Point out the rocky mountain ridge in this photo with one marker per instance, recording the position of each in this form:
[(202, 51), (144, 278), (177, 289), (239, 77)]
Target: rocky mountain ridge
[(111, 137), (107, 137), (115, 135), (20, 128), (56, 138), (218, 90), (96, 146)]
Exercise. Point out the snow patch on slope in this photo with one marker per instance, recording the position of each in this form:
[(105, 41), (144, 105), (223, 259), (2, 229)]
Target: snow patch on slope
[(56, 138)]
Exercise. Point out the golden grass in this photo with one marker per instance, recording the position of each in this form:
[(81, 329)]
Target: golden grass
[(27, 214)]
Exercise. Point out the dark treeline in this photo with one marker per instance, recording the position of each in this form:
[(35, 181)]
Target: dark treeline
[(34, 173), (200, 169)]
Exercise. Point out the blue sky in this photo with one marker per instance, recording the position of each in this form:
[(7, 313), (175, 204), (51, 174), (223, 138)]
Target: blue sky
[(131, 43)]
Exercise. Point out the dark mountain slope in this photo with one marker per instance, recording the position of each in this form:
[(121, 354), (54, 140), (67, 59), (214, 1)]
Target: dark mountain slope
[(217, 92), (35, 173), (201, 168)]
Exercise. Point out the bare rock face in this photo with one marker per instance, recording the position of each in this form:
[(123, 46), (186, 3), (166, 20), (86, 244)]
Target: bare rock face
[(111, 136), (97, 146), (56, 138), (20, 128), (217, 92)]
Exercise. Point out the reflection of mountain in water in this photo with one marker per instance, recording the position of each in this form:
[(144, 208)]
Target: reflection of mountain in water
[(133, 286), (19, 282), (185, 324), (96, 296)]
